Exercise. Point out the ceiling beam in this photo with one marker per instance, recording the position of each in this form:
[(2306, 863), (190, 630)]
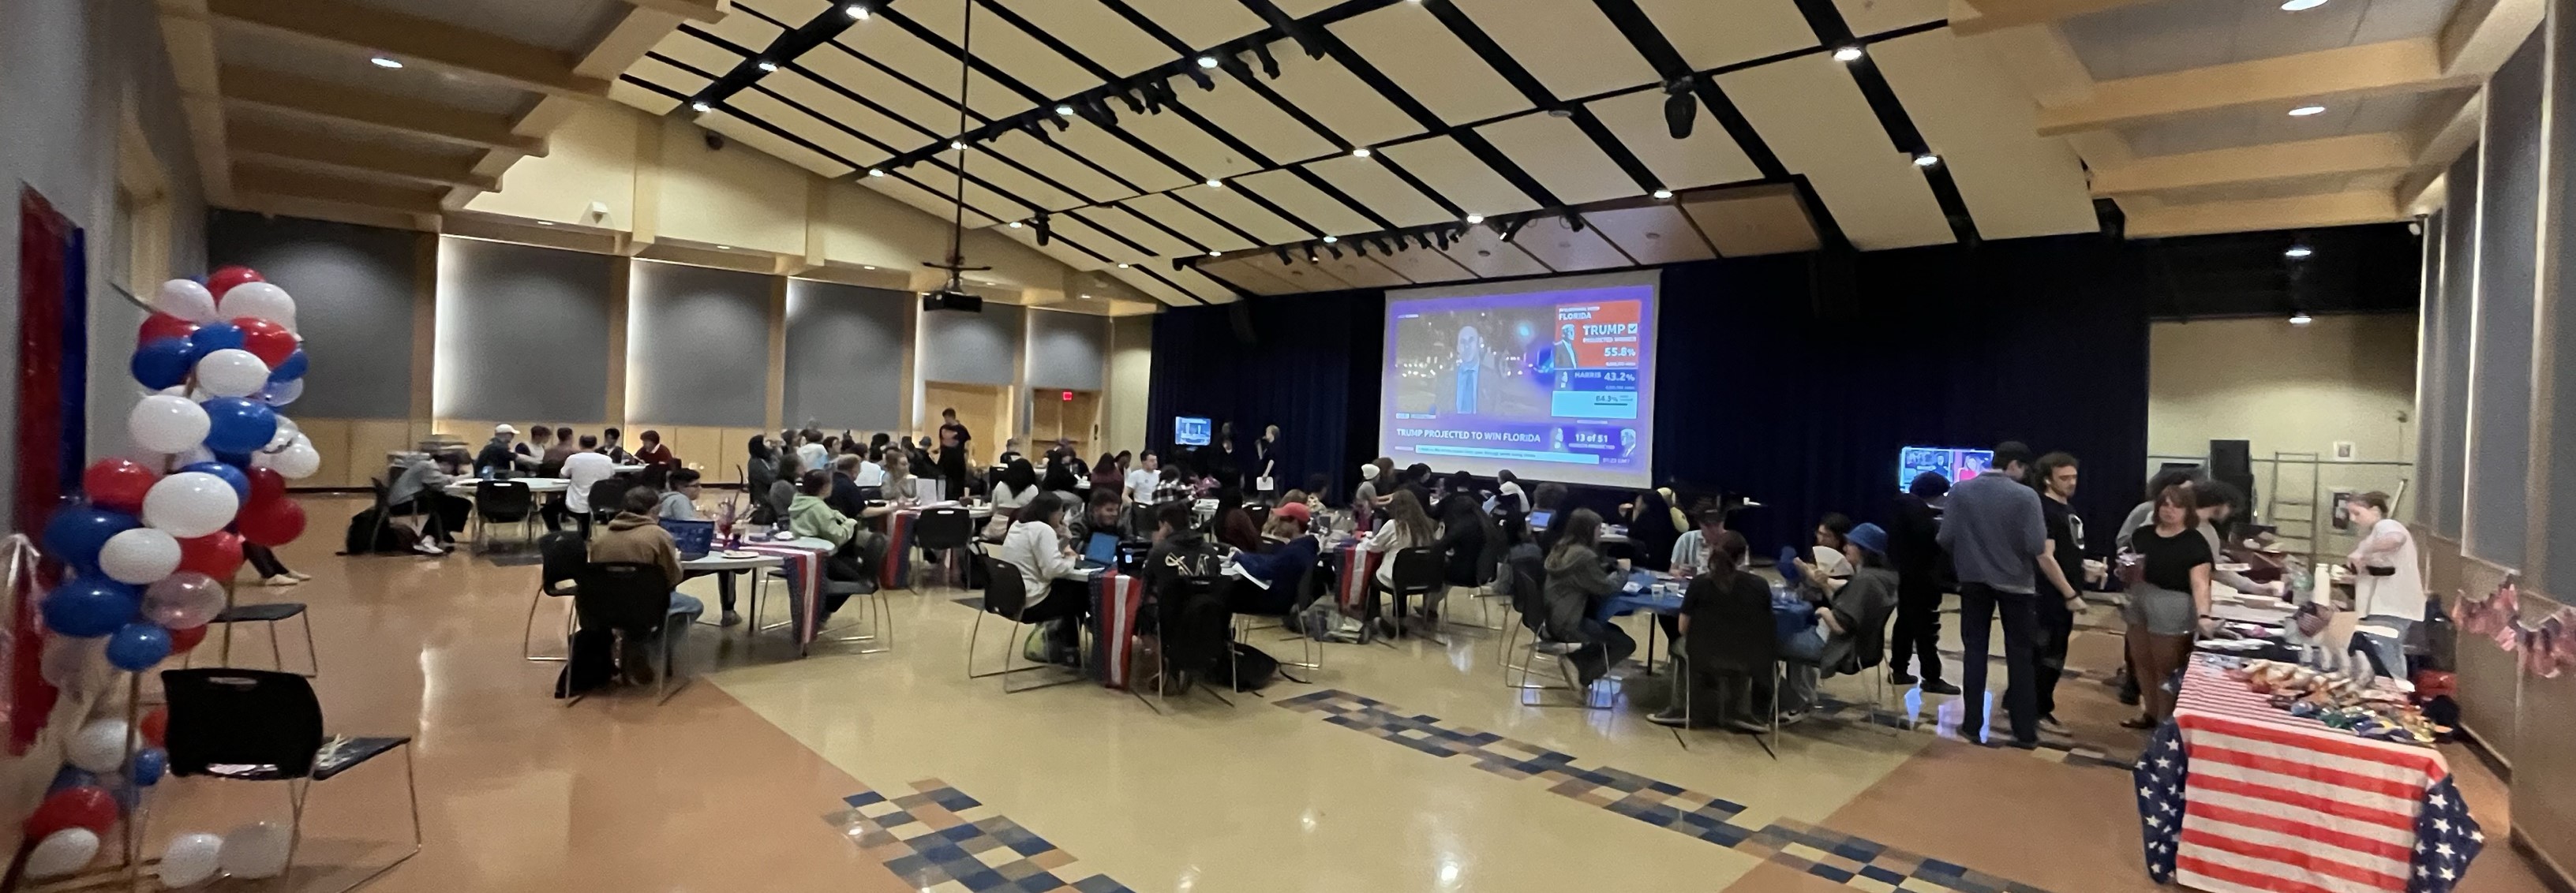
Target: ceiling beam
[(1981, 16), (693, 10), (2483, 33), (465, 52), (325, 100), (634, 35), (335, 212), (2296, 212), (373, 161), (2356, 154), (2433, 159), (261, 179), (190, 43), (2374, 69)]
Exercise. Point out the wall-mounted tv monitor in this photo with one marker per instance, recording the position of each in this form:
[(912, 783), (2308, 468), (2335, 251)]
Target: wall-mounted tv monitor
[(1191, 430), (1955, 464)]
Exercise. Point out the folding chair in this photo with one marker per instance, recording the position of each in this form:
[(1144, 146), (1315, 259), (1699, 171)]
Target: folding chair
[(503, 502), (1005, 595), (562, 554), (257, 725), (948, 530), (633, 599)]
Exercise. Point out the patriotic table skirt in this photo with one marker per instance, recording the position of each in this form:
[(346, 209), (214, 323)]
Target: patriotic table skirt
[(1116, 601), (804, 569), (1355, 567), (895, 571), (2236, 795)]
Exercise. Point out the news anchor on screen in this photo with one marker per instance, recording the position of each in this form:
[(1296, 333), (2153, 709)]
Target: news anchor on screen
[(1471, 356)]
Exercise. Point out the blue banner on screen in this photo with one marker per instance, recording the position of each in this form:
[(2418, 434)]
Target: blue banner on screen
[(1191, 430), (1957, 465), (1551, 379)]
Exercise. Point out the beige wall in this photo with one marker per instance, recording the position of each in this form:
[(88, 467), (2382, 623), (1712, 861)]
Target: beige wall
[(1131, 369)]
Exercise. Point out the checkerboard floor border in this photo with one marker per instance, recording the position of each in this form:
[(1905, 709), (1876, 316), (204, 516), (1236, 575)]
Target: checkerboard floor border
[(1844, 859), (939, 840)]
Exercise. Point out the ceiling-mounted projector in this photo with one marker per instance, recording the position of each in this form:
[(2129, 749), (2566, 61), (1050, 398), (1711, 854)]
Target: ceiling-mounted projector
[(951, 299)]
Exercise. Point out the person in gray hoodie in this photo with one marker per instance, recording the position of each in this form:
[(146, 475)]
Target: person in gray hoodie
[(1577, 580)]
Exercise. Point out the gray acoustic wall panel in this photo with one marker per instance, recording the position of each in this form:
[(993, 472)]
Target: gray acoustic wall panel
[(353, 292), (522, 332), (845, 355), (970, 348), (2446, 427), (697, 346), (1067, 350), (2500, 364)]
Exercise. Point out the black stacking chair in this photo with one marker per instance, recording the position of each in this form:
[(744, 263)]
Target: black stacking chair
[(563, 553), (631, 599), (1005, 596), (259, 725), (947, 531), (503, 502)]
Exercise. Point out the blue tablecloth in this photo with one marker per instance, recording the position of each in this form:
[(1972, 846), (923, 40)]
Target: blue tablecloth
[(1790, 614)]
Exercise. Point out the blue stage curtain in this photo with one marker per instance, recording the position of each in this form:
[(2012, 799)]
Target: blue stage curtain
[(1307, 364)]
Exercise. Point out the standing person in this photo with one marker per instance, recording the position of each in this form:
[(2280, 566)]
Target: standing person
[(2167, 602), (1994, 535), (2388, 587), (654, 453), (953, 443), (1364, 497), (1140, 481), (1056, 585), (810, 451), (582, 471), (1265, 462), (1913, 546), (2062, 566)]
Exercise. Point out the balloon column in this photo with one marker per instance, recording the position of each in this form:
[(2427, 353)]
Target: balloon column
[(150, 549)]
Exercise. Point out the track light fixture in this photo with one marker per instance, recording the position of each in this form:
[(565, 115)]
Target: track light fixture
[(1681, 109), (1443, 236), (1336, 252), (1361, 246), (1200, 76), (1514, 228), (1269, 63), (1573, 220), (1134, 105), (1030, 123), (1282, 251), (1046, 232)]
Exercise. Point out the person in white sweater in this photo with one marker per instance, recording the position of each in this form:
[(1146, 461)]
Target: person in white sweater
[(1057, 586), (2387, 584)]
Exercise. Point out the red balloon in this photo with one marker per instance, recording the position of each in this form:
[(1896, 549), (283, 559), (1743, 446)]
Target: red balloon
[(266, 484), (225, 278), (274, 522), (118, 484), (180, 641), (163, 325), (268, 341), (155, 724), (86, 806), (216, 554)]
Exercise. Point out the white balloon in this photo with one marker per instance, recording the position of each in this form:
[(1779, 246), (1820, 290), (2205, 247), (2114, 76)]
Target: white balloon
[(166, 424), (256, 850), (191, 858), (298, 461), (190, 456), (286, 434), (69, 662), (259, 299), (232, 372), (62, 853), (139, 556), (190, 504), (99, 746), (186, 299)]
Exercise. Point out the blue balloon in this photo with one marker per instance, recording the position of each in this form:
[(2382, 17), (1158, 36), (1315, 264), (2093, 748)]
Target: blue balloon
[(149, 764), (212, 337), (230, 474), (138, 645), (92, 606), (291, 368), (77, 531), (236, 460), (238, 425), (75, 776), (162, 363)]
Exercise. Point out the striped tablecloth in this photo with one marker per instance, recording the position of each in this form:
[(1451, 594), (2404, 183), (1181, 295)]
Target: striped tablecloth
[(1356, 566), (803, 565), (1117, 601), (896, 570), (2236, 795)]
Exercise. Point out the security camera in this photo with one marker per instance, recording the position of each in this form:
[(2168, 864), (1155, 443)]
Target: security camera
[(715, 141)]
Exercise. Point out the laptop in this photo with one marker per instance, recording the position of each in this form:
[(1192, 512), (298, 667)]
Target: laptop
[(1538, 519), (1101, 550)]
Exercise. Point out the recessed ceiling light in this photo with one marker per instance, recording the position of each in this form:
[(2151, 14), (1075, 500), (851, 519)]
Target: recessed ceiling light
[(724, 248), (1122, 266), (701, 107), (1084, 297), (1216, 254), (2296, 5), (766, 65), (1560, 113), (545, 223), (866, 267), (857, 11), (1361, 152), (386, 62), (876, 172), (2301, 318), (1475, 218), (1207, 61), (2297, 251), (1064, 111), (1847, 54), (1331, 239), (1015, 224), (1214, 183), (2306, 110), (956, 145), (1927, 159), (1663, 193)]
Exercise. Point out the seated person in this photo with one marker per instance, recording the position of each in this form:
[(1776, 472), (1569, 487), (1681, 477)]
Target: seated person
[(855, 549), (653, 452), (1105, 514), (635, 536), (1404, 526), (583, 470), (1726, 636), (1826, 567), (1281, 568), (1464, 539), (1233, 525), (1577, 582), (845, 496), (680, 495), (498, 455), (1056, 585), (421, 489), (1014, 487), (1842, 638)]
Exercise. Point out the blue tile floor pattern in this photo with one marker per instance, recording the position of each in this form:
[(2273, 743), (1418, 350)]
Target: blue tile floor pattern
[(938, 840), (1851, 861)]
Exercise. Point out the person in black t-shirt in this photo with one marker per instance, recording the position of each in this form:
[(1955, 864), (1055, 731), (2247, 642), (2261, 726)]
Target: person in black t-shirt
[(1916, 551), (2061, 570), (2167, 601)]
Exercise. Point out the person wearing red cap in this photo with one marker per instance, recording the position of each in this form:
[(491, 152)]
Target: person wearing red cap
[(1275, 574)]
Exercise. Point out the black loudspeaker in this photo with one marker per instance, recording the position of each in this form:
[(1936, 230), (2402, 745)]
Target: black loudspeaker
[(2233, 461)]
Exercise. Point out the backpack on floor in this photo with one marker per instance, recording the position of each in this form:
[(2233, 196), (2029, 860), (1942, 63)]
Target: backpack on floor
[(363, 527), (1250, 670)]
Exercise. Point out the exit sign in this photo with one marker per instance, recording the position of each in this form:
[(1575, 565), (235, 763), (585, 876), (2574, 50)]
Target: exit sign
[(1068, 396)]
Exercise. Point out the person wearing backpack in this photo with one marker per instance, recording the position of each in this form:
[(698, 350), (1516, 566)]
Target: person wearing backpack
[(1184, 572), (1058, 589)]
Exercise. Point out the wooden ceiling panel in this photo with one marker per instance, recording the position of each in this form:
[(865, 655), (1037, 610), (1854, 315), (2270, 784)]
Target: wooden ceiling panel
[(1333, 95), (1300, 274), (1867, 17), (1045, 158), (807, 92), (1062, 251), (919, 109), (1188, 143), (1813, 116), (793, 12), (1152, 287), (1709, 35), (650, 101), (1570, 47), (1107, 150), (756, 104), (1199, 23), (1004, 45), (1707, 158), (1458, 175), (1096, 32), (1362, 272), (2015, 182), (1234, 208), (1369, 182), (1064, 228), (1757, 220), (751, 135), (1554, 243), (1191, 281), (931, 197), (1259, 123), (670, 77), (888, 43), (1011, 179), (1423, 267), (1289, 191), (1485, 252), (1242, 273), (1654, 234), (1423, 57), (1561, 157), (1125, 223), (695, 52), (746, 31), (1162, 209)]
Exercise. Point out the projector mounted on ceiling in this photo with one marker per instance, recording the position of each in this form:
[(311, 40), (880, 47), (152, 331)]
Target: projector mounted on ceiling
[(951, 299)]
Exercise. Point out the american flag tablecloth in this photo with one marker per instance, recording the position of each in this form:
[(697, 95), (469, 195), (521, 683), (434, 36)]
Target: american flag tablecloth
[(1358, 565), (803, 566), (1116, 601), (2236, 795), (896, 569)]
